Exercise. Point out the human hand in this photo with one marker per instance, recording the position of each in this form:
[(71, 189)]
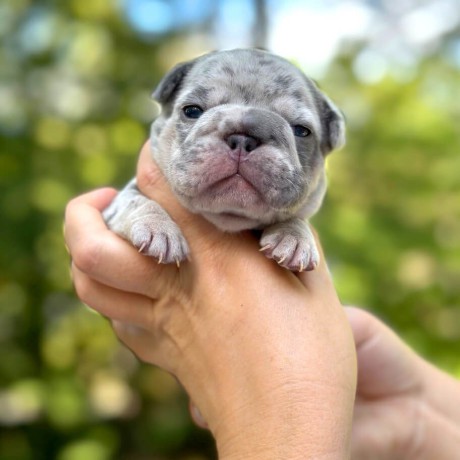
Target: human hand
[(266, 355), (405, 408)]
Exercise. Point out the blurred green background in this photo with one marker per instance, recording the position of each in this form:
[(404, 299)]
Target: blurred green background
[(75, 80)]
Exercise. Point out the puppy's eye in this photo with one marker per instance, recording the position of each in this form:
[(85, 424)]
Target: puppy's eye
[(301, 131), (193, 111)]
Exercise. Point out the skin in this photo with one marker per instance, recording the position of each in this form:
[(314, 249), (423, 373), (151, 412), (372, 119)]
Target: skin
[(405, 407), (268, 357)]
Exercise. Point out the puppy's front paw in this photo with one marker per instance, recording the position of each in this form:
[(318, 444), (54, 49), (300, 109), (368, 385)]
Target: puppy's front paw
[(160, 239), (147, 226), (291, 244)]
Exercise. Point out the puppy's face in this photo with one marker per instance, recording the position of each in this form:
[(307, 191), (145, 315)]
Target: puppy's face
[(242, 138)]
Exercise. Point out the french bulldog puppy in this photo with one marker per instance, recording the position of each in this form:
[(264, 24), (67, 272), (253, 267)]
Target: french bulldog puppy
[(241, 139)]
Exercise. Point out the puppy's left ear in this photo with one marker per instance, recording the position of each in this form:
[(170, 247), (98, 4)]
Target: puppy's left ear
[(171, 82), (332, 124)]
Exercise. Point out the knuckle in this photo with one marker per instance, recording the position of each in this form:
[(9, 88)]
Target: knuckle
[(133, 338), (86, 255), (69, 209)]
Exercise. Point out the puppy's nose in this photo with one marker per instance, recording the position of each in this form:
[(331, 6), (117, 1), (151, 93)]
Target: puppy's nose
[(242, 143)]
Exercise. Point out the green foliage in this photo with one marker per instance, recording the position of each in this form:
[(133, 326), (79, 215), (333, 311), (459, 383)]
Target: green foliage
[(391, 221), (74, 114)]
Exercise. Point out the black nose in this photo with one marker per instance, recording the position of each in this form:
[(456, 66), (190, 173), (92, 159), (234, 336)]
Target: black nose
[(242, 142)]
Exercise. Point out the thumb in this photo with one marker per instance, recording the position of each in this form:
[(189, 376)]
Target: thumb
[(386, 365)]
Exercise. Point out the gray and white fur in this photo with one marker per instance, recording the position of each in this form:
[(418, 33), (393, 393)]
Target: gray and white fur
[(241, 139)]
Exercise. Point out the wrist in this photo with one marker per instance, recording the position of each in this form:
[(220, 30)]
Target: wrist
[(312, 424)]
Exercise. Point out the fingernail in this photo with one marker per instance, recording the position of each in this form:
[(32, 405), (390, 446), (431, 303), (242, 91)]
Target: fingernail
[(197, 417)]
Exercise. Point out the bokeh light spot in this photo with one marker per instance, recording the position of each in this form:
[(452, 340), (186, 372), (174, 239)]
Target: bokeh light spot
[(86, 449), (52, 133), (50, 195), (127, 136), (149, 16)]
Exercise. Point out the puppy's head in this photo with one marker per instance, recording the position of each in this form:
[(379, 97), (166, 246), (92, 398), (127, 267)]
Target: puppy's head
[(242, 138)]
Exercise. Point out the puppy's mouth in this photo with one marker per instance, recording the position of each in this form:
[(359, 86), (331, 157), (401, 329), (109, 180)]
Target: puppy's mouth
[(233, 193), (234, 183), (233, 203)]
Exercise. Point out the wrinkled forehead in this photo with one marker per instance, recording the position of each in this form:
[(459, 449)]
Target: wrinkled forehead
[(248, 77)]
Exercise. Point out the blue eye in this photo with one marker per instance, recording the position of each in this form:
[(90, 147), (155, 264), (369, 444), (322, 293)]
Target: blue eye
[(193, 111), (301, 131)]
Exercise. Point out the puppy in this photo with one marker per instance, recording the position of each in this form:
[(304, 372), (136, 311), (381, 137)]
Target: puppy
[(241, 139)]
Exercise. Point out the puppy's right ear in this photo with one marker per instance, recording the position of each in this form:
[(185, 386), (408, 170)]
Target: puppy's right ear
[(171, 82)]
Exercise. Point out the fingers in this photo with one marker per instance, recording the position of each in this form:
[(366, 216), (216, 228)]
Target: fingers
[(117, 305), (386, 365), (142, 343), (104, 256), (197, 417)]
